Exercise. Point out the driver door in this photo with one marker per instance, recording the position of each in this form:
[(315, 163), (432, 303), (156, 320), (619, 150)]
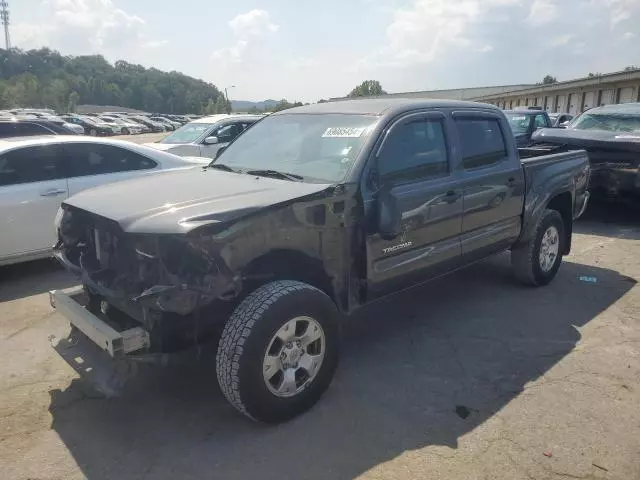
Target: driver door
[(415, 168)]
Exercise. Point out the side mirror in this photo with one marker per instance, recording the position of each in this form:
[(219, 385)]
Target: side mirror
[(211, 140), (389, 215), (564, 124)]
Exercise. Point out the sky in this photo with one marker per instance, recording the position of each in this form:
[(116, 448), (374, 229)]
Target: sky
[(301, 50)]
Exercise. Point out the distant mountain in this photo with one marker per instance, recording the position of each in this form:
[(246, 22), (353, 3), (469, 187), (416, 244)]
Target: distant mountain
[(245, 105)]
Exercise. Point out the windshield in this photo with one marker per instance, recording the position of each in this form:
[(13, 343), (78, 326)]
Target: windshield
[(188, 133), (519, 123), (612, 122), (316, 147)]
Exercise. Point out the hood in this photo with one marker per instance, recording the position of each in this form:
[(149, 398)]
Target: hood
[(589, 138), (180, 201)]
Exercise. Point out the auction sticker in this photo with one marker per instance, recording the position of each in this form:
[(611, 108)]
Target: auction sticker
[(343, 132)]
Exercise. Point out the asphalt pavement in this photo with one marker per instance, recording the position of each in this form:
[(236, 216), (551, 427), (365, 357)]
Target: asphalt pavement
[(469, 377)]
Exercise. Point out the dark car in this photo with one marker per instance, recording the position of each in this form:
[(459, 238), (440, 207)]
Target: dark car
[(93, 126), (153, 126), (524, 122), (24, 128), (611, 136), (308, 215)]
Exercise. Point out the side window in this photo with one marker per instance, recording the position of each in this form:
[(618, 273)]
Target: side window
[(540, 122), (228, 132), (95, 159), (482, 142), (30, 164), (28, 129), (414, 151)]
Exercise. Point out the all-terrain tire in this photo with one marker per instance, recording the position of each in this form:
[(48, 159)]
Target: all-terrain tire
[(246, 337), (525, 259)]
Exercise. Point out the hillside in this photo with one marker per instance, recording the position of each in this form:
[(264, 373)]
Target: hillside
[(245, 105), (45, 78)]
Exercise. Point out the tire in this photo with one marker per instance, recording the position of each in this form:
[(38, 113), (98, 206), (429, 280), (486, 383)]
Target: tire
[(125, 131), (93, 132), (526, 262), (252, 330)]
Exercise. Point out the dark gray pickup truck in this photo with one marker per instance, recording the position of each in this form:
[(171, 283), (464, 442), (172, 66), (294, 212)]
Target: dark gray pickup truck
[(308, 215)]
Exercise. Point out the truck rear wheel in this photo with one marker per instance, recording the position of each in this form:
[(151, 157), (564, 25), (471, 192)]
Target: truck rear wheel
[(537, 262), (278, 351)]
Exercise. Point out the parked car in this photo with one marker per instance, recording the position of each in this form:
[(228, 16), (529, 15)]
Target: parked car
[(309, 215), (611, 136), (30, 127), (168, 124), (524, 122), (124, 127), (560, 120), (92, 126), (153, 126), (37, 174), (205, 136), (172, 124)]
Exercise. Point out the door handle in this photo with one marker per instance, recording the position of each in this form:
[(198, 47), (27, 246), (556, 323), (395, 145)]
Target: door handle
[(52, 193)]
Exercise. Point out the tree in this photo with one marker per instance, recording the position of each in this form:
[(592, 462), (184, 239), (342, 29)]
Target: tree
[(631, 68), (592, 75), (210, 108), (221, 104), (368, 88), (548, 80), (42, 77)]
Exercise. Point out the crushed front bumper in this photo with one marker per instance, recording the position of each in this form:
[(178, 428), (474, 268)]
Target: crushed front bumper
[(71, 304)]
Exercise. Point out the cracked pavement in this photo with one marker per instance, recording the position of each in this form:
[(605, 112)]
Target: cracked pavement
[(548, 379)]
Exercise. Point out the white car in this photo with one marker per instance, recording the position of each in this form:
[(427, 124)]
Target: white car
[(205, 136), (121, 125), (38, 173)]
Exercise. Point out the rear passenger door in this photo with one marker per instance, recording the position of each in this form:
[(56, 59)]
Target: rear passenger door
[(32, 187), (493, 184), (92, 164), (415, 165)]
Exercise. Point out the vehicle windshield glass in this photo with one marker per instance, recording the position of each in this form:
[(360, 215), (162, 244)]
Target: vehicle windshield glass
[(316, 147), (519, 122), (188, 133), (611, 122)]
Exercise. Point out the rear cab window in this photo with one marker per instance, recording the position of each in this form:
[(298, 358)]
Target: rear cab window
[(481, 141)]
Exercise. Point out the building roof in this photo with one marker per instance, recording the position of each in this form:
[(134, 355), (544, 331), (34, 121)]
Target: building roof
[(596, 80), (377, 106)]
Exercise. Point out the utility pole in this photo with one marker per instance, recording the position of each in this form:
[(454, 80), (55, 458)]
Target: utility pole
[(4, 16), (226, 96)]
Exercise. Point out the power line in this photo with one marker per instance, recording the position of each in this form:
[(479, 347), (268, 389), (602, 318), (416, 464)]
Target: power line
[(4, 16)]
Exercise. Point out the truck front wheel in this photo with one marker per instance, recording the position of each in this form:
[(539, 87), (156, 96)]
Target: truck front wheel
[(537, 262), (278, 351)]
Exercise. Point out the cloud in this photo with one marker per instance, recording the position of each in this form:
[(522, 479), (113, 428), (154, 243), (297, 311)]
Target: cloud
[(155, 44), (248, 28), (84, 27), (421, 32), (542, 12), (629, 36), (561, 40), (253, 23)]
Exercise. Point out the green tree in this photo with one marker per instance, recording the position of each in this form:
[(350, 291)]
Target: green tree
[(55, 95), (221, 104), (210, 109), (368, 88), (548, 80)]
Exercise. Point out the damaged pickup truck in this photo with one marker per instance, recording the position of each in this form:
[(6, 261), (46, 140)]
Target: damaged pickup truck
[(310, 214)]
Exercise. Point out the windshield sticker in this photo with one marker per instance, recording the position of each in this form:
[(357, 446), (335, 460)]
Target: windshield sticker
[(343, 132)]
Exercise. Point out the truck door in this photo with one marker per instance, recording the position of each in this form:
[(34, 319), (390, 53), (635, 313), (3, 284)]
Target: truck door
[(493, 184), (414, 165)]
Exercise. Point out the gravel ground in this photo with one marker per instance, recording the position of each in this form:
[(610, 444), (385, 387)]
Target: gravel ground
[(470, 377)]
